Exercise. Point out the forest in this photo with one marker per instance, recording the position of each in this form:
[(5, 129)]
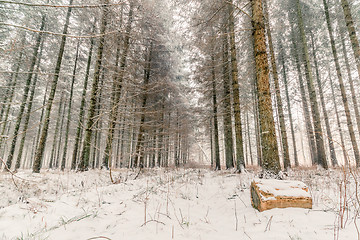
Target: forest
[(122, 119)]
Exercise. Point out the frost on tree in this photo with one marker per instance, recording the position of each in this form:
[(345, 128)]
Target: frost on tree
[(270, 193)]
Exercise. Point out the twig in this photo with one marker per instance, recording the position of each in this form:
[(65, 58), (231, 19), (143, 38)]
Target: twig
[(12, 173), (100, 237), (152, 220), (57, 34), (268, 224), (61, 6), (137, 175), (236, 218)]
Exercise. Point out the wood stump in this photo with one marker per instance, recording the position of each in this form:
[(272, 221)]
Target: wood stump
[(270, 193)]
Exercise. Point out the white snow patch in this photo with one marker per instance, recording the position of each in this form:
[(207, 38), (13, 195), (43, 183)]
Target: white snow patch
[(282, 188), (176, 204)]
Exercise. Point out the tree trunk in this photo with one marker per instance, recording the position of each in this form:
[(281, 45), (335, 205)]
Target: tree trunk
[(240, 163), (351, 82), (249, 139), (289, 105), (338, 121), (284, 141), (215, 117), (229, 145), (79, 128), (118, 81), (323, 106), (57, 156), (85, 155), (308, 122), (56, 133), (25, 94), (140, 140), (9, 94), (321, 156), (270, 154), (352, 32), (67, 128), (341, 83), (41, 147), (29, 108)]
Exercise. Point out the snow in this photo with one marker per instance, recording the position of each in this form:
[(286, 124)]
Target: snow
[(283, 188), (174, 204)]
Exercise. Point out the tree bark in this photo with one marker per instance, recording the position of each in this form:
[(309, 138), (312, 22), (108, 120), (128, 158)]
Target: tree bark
[(284, 141), (270, 154), (323, 106), (321, 156), (338, 121), (352, 32), (79, 128), (308, 122), (41, 147), (240, 163), (25, 93), (229, 145), (118, 81), (85, 155), (296, 160), (56, 133), (67, 128), (341, 83), (215, 116), (29, 108)]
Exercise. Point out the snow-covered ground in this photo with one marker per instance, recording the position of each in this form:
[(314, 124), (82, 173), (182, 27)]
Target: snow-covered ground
[(165, 204)]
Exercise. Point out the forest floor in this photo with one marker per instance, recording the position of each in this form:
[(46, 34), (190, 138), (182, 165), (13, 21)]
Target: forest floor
[(167, 204)]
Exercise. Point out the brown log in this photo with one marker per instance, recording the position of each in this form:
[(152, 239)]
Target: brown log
[(269, 193)]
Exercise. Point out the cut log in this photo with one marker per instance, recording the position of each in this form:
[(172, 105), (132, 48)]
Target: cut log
[(270, 193)]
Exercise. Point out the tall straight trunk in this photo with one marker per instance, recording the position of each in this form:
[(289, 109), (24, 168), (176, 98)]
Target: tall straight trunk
[(284, 141), (41, 147), (229, 145), (321, 156), (257, 122), (118, 82), (99, 123), (296, 160), (215, 116), (176, 141), (139, 150), (308, 122), (61, 131), (352, 32), (160, 156), (341, 83), (67, 128), (338, 120), (239, 144), (351, 82), (56, 133), (270, 153), (211, 128), (82, 106), (40, 121), (25, 94), (9, 93), (29, 108), (323, 106), (249, 138), (85, 155)]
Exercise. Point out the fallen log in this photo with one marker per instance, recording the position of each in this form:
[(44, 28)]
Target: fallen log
[(271, 193)]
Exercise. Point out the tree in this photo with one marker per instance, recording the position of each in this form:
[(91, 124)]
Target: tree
[(44, 133), (321, 156), (85, 154), (270, 156)]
